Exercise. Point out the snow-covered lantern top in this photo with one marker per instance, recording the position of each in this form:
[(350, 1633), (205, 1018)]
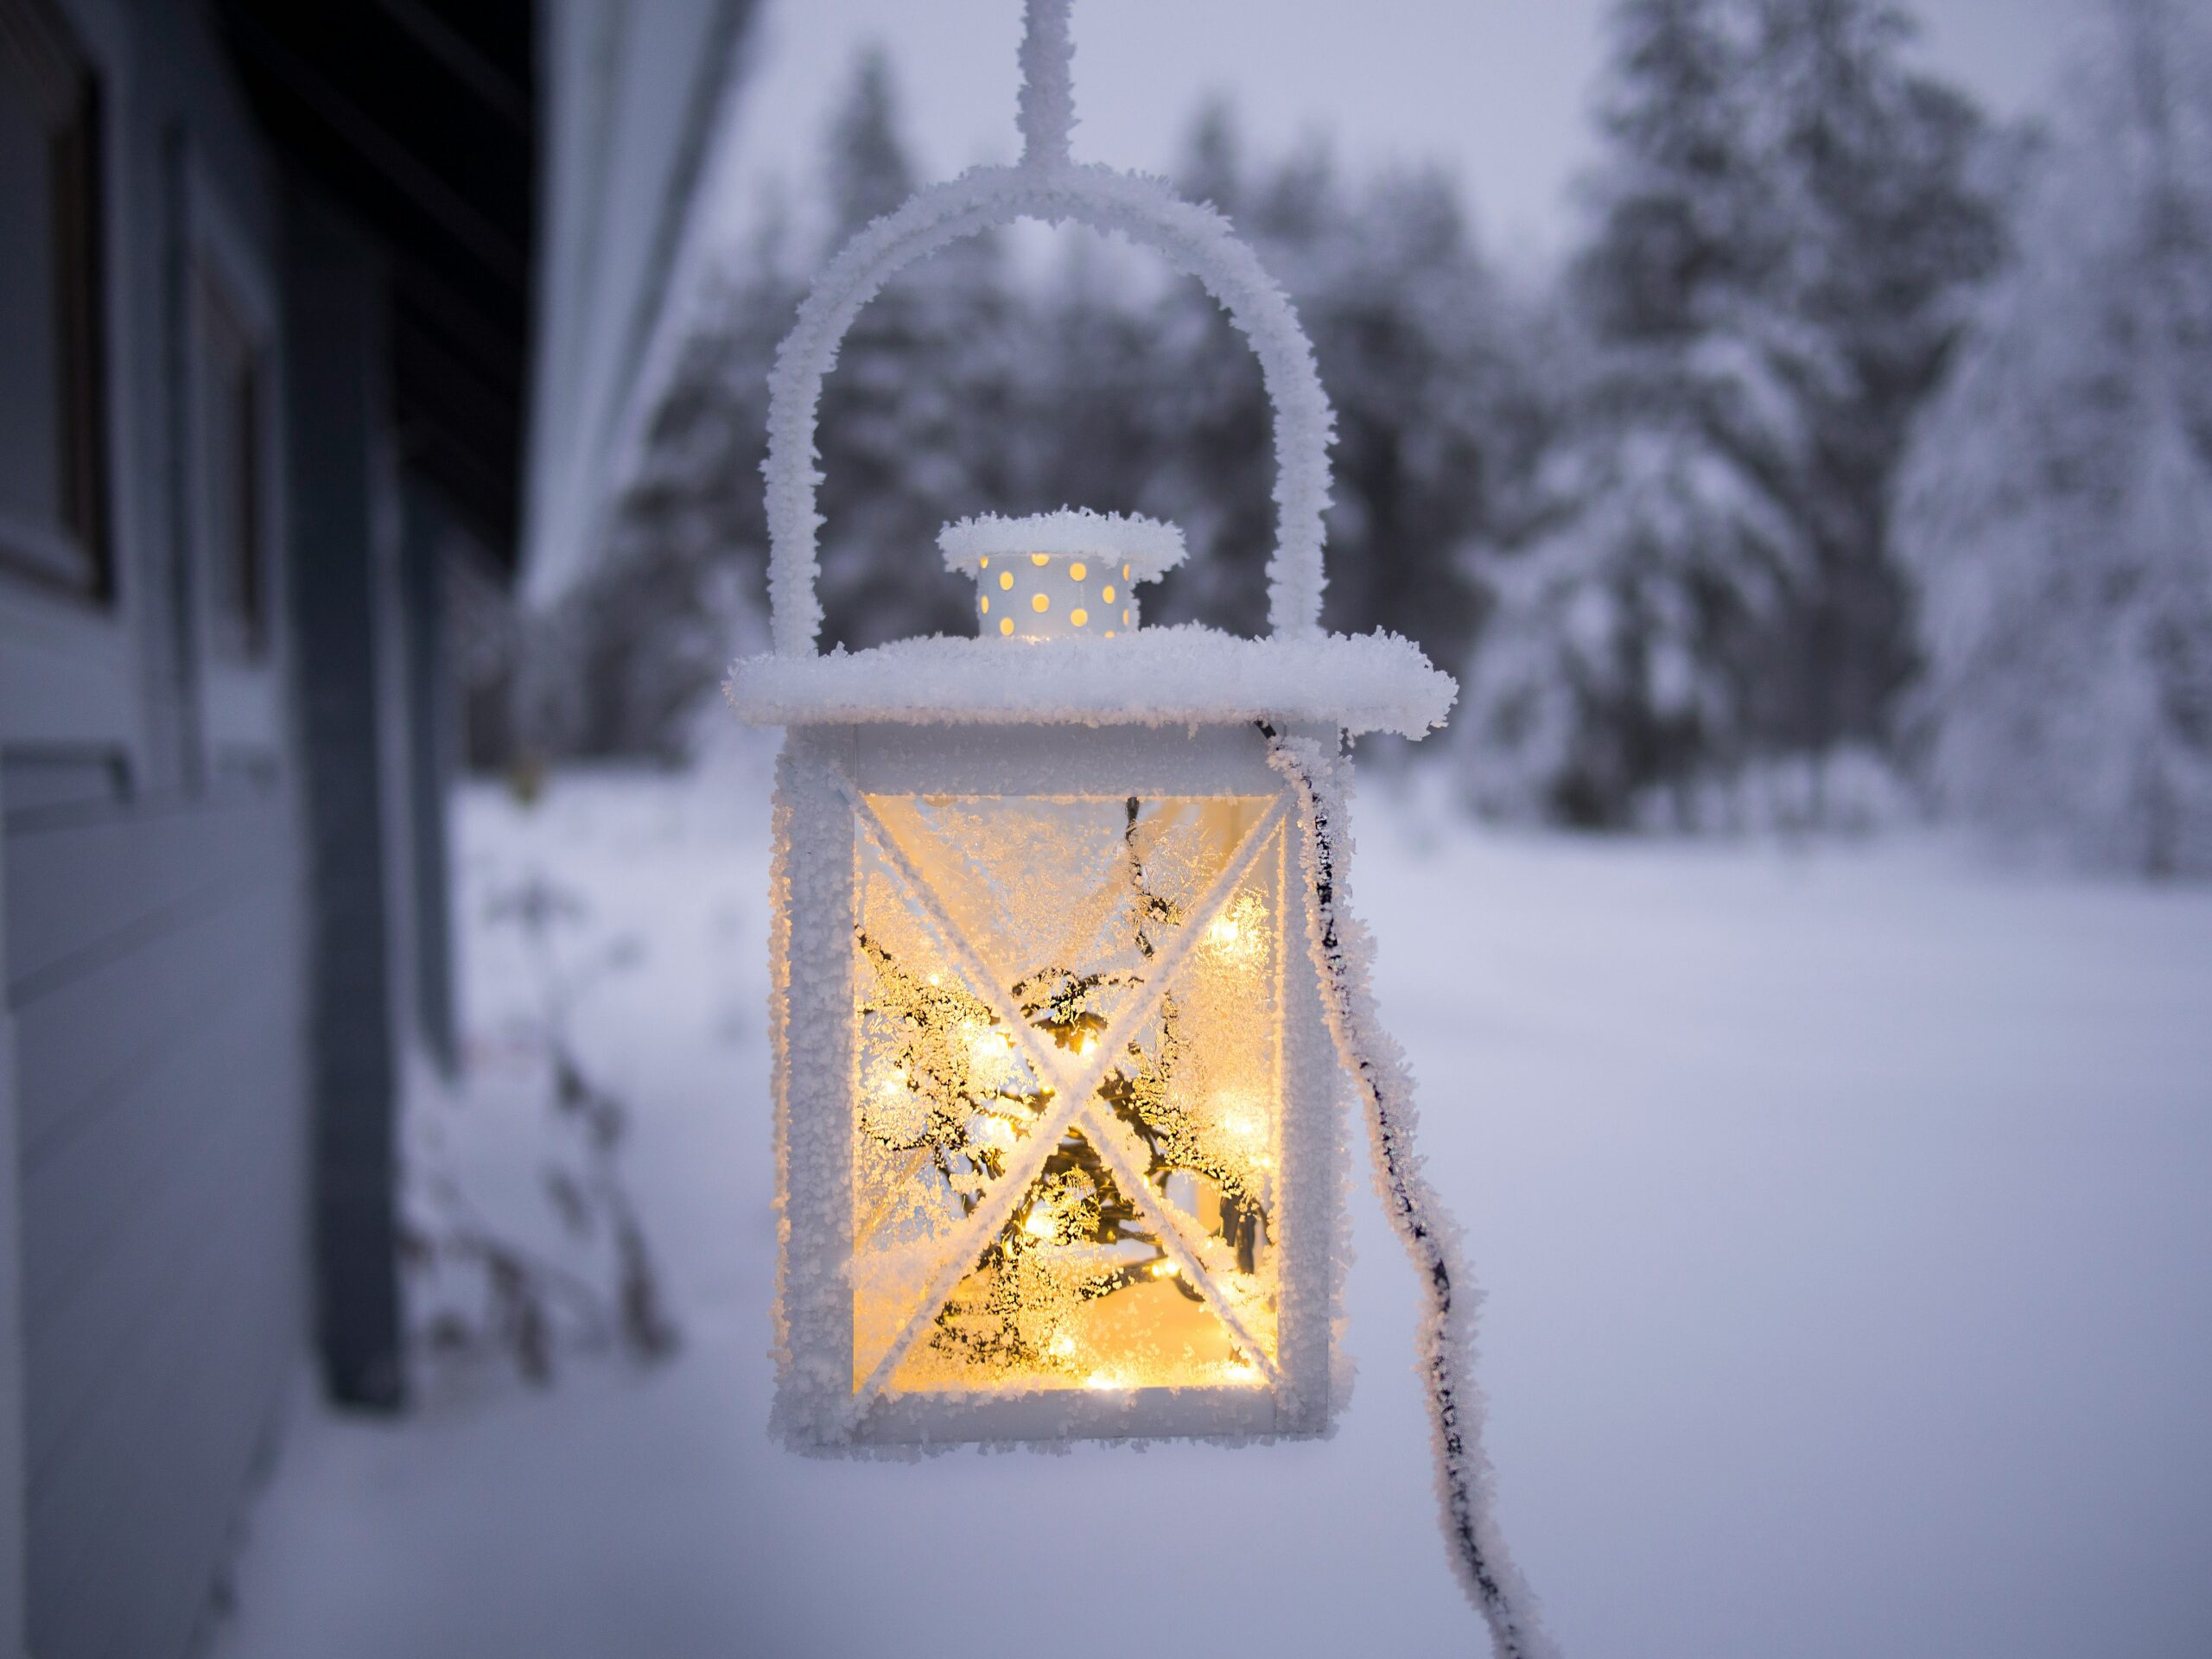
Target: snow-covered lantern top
[(1062, 979), (1057, 573)]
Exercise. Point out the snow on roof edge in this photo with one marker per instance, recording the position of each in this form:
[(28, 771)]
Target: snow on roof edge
[(1157, 676), (1150, 547)]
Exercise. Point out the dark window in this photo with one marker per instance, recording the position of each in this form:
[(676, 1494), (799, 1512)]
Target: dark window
[(53, 481), (232, 424)]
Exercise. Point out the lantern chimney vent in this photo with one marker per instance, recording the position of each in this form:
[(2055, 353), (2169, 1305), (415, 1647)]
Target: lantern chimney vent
[(1059, 576)]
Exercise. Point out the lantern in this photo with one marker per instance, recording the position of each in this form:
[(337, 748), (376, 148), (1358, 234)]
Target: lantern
[(1064, 989), (1059, 1114)]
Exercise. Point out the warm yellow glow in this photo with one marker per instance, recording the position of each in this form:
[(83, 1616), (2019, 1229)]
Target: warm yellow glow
[(1125, 619), (1006, 579), (1109, 633), (1038, 603), (1100, 1273), (1125, 573), (987, 604), (1079, 570), (1005, 625), (983, 563), (1041, 558), (1079, 616), (1107, 593)]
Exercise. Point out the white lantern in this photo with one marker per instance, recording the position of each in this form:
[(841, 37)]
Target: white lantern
[(1060, 1126), (1059, 1113), (1063, 998)]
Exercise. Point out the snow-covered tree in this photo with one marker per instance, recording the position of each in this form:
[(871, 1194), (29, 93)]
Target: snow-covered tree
[(1783, 219), (2056, 509), (1881, 225), (1619, 652)]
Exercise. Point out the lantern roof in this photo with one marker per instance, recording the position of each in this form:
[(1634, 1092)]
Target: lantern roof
[(1150, 547), (1180, 675)]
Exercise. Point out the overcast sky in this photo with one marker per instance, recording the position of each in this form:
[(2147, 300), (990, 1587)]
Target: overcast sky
[(1498, 89)]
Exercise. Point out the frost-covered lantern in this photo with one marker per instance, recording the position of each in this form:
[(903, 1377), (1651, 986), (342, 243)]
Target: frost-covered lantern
[(1065, 994), (1060, 1126)]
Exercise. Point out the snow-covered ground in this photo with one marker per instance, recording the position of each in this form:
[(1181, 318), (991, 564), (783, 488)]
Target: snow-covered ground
[(1846, 1214)]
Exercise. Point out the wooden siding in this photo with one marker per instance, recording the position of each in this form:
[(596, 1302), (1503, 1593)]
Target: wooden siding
[(154, 973), (153, 968)]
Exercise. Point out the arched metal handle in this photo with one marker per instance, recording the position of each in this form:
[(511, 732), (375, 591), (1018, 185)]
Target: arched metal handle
[(1196, 240)]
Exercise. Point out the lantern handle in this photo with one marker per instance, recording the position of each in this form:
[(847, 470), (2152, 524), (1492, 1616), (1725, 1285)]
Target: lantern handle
[(1195, 240)]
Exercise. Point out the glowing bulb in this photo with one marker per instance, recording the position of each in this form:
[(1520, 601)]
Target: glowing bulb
[(1063, 1345), (1089, 1045), (1006, 579), (1241, 1374), (1165, 1270), (1224, 931), (895, 1084), (1108, 594), (1038, 602), (1079, 616), (1104, 1380), (1005, 625), (1039, 1225), (1078, 571)]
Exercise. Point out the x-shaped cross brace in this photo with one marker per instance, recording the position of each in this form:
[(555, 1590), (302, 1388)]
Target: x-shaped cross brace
[(1070, 1091)]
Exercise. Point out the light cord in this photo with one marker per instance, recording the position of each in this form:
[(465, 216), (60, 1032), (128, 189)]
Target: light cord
[(1342, 951)]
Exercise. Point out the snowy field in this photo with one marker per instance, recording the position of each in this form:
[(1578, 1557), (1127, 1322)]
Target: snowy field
[(1846, 1215)]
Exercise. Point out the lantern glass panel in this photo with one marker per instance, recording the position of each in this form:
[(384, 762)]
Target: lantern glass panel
[(1140, 1249)]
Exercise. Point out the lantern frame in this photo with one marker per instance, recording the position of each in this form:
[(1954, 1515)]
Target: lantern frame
[(826, 777)]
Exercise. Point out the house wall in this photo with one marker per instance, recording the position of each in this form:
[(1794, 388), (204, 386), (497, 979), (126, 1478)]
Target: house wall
[(204, 999)]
